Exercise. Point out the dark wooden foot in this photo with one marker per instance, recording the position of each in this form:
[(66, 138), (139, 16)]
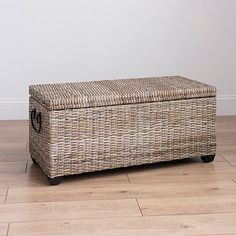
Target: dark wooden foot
[(55, 180), (208, 158), (35, 162)]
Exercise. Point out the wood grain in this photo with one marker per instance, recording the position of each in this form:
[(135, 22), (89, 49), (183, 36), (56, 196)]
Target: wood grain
[(68, 210), (3, 192), (219, 158), (16, 154), (180, 225), (120, 191), (179, 166), (36, 177), (231, 158), (13, 167), (188, 205), (226, 149), (22, 180), (185, 172), (13, 140), (3, 229)]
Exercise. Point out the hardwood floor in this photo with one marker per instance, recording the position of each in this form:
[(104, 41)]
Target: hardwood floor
[(184, 197)]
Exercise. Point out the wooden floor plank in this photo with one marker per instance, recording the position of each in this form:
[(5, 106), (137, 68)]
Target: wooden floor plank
[(14, 157), (13, 130), (13, 152), (68, 210), (227, 139), (179, 166), (195, 164), (186, 176), (3, 192), (176, 225), (219, 158), (14, 123), (3, 229), (225, 124), (214, 235), (226, 149), (13, 140), (13, 167), (36, 177), (120, 191), (231, 158), (188, 205), (22, 179), (185, 172)]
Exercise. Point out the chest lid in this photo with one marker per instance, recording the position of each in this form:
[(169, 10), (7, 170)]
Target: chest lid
[(120, 91)]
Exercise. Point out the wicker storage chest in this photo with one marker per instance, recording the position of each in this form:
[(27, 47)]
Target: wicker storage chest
[(90, 126)]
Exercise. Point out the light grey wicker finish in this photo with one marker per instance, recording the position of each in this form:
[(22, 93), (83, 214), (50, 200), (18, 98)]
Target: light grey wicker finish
[(74, 141), (116, 92)]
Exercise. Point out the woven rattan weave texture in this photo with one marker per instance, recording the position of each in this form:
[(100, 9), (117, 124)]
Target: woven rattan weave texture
[(109, 124), (116, 92)]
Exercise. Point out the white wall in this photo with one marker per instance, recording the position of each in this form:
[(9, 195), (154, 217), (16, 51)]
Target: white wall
[(76, 40)]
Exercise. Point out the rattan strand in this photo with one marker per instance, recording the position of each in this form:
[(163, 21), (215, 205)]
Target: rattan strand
[(115, 92), (74, 141)]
